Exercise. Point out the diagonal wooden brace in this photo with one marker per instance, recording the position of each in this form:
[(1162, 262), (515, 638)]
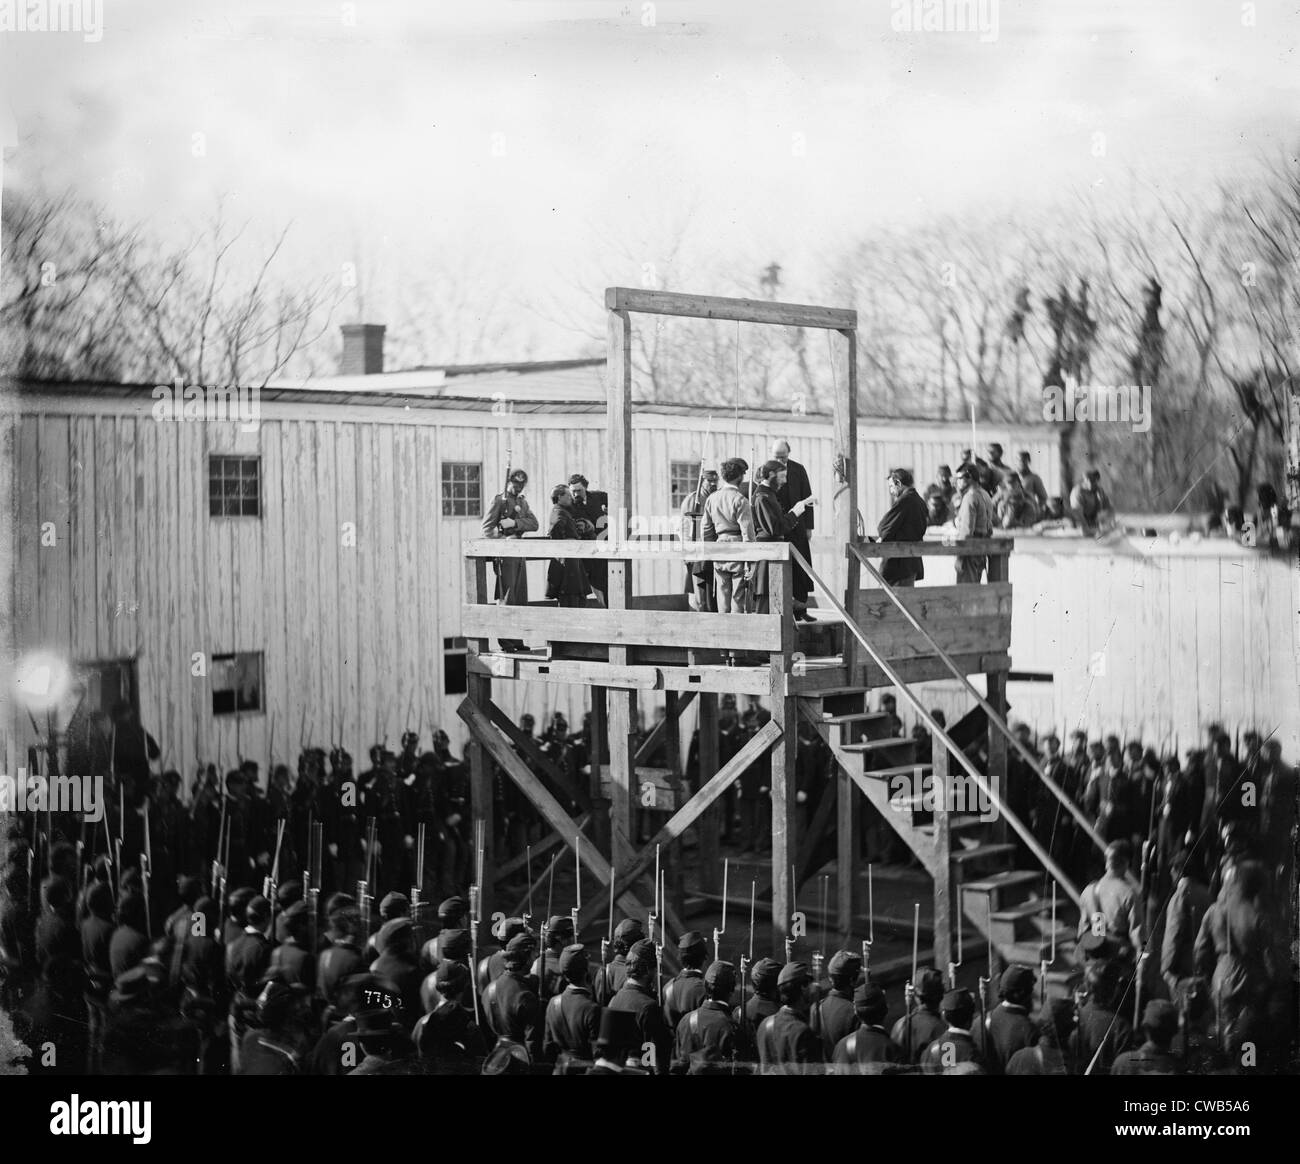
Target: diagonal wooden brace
[(692, 810), (575, 792), (550, 808), (657, 733)]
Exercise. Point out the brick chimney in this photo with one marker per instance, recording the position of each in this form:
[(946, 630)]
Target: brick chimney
[(363, 349)]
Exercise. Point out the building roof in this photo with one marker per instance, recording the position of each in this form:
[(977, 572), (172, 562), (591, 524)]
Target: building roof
[(557, 387)]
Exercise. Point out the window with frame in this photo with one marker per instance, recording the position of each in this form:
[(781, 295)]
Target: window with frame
[(462, 489), (684, 479), (236, 683), (455, 653), (234, 486)]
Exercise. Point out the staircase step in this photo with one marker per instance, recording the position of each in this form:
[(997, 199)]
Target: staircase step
[(843, 700), (889, 743), (897, 770), (956, 823), (980, 853), (999, 890), (855, 717), (1000, 881), (1025, 909)]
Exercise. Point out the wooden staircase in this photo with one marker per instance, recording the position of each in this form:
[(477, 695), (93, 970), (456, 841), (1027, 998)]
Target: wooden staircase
[(1010, 908)]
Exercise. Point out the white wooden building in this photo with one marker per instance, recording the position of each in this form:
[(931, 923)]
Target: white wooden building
[(299, 578)]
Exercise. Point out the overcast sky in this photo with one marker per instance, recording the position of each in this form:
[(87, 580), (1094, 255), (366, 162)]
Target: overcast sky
[(517, 133)]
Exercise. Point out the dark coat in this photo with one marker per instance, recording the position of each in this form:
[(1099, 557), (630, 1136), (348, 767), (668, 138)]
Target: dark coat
[(771, 524), (904, 521), (865, 1051), (787, 1046), (926, 1027), (682, 995), (513, 1011), (833, 1018), (1009, 1029), (565, 577), (247, 958), (952, 1053), (706, 1041), (572, 1024), (795, 489), (650, 1024)]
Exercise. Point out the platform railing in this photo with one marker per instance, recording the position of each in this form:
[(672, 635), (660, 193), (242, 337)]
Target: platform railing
[(864, 554), (981, 782), (629, 619)]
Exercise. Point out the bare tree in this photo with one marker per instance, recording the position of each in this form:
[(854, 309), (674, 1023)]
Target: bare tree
[(85, 298)]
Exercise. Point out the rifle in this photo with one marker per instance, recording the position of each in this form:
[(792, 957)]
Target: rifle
[(745, 963), (717, 933), (868, 941), (607, 942), (654, 916), (474, 906), (108, 856), (528, 870), (659, 949), (364, 897), (218, 871), (577, 888), (417, 903), (819, 958), (146, 871), (271, 881), (316, 846), (794, 906), (909, 992)]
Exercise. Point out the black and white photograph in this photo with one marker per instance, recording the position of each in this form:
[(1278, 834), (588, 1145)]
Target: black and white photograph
[(650, 537)]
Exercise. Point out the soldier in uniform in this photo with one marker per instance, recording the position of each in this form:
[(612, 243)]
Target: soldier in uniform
[(1112, 902), (1103, 1032), (291, 959), (1009, 1028), (398, 962), (446, 1038), (786, 1043), (546, 970), (1155, 1056), (835, 1017), (493, 965), (687, 991), (247, 959), (612, 976), (509, 516), (572, 1016), (637, 997), (699, 575), (954, 1052), (1050, 1055), (707, 1041), (974, 519), (510, 1004), (760, 1005), (276, 1045), (925, 1024), (618, 1049), (868, 1050), (451, 917), (342, 959)]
